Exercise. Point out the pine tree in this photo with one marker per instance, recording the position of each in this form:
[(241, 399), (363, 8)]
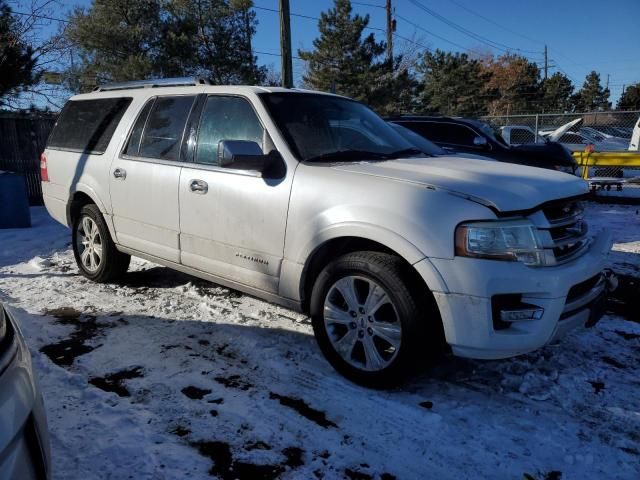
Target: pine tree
[(344, 62), (630, 98), (217, 40), (451, 84), (17, 63), (134, 39), (115, 40), (556, 93), (592, 96)]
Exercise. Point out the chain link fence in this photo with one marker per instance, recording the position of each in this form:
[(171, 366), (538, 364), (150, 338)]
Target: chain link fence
[(605, 131)]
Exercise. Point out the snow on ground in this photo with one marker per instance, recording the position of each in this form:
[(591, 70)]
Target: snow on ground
[(165, 376)]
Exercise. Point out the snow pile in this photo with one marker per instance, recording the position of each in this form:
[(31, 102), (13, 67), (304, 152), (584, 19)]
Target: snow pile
[(165, 376)]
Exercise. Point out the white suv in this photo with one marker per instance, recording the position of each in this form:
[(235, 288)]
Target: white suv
[(312, 201)]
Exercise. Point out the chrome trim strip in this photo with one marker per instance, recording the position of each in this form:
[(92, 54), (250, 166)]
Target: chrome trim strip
[(569, 239), (587, 297), (561, 222), (576, 253)]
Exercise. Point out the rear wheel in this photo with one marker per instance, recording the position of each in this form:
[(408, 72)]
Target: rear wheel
[(367, 321), (94, 250)]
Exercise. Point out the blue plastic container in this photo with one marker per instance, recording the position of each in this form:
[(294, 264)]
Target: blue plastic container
[(14, 201)]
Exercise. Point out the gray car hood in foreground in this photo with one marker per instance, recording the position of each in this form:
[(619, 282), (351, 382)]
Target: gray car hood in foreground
[(505, 186)]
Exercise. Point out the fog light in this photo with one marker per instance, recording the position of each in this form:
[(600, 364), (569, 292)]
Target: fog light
[(534, 313)]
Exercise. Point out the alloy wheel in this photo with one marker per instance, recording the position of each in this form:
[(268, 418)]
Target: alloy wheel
[(362, 323), (89, 244)]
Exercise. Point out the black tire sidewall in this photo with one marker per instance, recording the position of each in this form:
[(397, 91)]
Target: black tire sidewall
[(389, 275)]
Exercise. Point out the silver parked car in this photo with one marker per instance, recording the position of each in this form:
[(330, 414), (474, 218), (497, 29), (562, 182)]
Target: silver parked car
[(312, 201), (24, 441)]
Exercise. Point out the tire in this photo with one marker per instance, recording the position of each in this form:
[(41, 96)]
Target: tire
[(405, 331), (96, 254)]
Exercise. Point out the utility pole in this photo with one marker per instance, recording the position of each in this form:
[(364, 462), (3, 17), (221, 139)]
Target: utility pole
[(389, 32), (286, 65), (607, 87), (546, 63), (247, 30)]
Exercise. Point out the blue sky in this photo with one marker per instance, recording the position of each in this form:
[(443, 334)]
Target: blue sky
[(581, 35)]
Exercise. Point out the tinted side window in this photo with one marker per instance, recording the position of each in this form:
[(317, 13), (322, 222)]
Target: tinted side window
[(520, 136), (429, 130), (163, 132), (226, 118), (87, 125), (133, 145), (460, 135)]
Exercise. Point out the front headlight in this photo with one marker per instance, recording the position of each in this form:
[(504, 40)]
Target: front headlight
[(513, 240)]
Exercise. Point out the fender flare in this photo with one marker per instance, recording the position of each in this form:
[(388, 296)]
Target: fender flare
[(390, 239), (90, 192)]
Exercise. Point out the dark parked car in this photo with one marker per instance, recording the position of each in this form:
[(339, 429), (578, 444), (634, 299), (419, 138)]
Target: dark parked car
[(473, 136)]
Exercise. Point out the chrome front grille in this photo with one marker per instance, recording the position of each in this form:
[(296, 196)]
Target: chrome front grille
[(563, 231)]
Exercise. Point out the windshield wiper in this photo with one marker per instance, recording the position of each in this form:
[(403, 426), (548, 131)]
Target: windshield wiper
[(349, 155), (407, 151)]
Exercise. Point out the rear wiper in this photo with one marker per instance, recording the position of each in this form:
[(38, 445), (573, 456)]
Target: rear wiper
[(349, 155)]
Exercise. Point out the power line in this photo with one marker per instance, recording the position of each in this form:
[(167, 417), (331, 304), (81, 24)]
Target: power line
[(415, 25), (375, 29), (275, 10), (36, 15), (494, 22), (369, 5), (485, 40)]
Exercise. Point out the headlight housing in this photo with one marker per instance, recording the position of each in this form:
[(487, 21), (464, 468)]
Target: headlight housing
[(512, 240)]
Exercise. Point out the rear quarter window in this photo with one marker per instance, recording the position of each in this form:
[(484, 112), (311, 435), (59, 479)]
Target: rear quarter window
[(87, 125), (522, 136)]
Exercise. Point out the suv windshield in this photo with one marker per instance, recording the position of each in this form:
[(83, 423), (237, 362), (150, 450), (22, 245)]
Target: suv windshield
[(327, 128)]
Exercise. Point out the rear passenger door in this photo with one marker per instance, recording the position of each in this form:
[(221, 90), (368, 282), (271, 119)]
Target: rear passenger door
[(232, 222), (144, 178)]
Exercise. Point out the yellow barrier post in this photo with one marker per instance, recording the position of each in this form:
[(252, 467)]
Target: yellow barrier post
[(606, 159)]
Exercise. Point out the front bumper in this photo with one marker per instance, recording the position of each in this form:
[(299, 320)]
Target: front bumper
[(24, 441), (466, 307)]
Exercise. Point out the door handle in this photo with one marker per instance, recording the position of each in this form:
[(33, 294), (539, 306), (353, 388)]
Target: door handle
[(120, 173), (198, 186)]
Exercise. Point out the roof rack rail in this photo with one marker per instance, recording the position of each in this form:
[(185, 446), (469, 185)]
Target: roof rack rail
[(152, 83)]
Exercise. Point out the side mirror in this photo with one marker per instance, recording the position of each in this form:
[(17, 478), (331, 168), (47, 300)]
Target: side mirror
[(480, 141), (241, 155)]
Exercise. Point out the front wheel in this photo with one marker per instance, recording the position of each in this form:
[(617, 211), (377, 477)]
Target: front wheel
[(368, 323), (95, 253)]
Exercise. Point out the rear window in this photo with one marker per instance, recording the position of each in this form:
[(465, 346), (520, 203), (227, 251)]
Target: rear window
[(87, 125)]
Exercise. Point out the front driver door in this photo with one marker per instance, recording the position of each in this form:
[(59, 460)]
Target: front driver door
[(232, 223)]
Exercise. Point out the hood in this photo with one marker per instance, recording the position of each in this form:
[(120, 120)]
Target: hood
[(502, 186), (558, 132), (553, 154)]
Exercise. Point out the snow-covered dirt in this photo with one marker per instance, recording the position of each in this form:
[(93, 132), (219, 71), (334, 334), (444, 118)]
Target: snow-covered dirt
[(165, 376)]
